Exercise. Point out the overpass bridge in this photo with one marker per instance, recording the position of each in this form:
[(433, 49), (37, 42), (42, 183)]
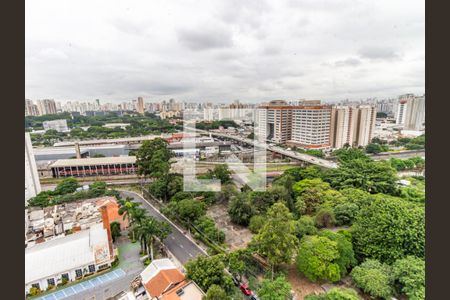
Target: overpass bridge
[(289, 153)]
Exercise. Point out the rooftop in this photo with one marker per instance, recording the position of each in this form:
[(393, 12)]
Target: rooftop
[(93, 161), (66, 253)]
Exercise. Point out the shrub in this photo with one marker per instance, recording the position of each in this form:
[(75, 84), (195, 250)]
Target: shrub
[(325, 217), (374, 278), (256, 223)]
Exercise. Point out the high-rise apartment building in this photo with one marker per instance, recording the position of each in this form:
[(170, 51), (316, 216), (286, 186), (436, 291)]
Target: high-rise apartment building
[(365, 125), (32, 184), (352, 125), (311, 123), (415, 113), (31, 109), (47, 107), (342, 126), (274, 121), (140, 105), (411, 112), (402, 106)]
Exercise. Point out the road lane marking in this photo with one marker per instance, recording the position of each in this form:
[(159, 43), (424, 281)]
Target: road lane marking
[(181, 246)]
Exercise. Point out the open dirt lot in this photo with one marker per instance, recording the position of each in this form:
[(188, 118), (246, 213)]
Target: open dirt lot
[(236, 236)]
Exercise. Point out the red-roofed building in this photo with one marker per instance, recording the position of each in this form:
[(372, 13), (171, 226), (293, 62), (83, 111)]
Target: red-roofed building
[(163, 281)]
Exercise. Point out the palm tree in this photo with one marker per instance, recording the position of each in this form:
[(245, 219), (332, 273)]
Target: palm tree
[(149, 229), (130, 210)]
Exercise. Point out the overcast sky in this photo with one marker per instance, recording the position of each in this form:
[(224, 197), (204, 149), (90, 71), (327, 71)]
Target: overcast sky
[(224, 50)]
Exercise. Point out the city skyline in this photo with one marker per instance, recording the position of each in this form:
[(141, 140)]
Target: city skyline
[(253, 51)]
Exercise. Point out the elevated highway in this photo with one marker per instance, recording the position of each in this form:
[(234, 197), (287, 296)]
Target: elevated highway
[(289, 153)]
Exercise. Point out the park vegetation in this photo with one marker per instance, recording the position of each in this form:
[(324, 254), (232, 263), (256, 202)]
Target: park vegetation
[(93, 127), (354, 221)]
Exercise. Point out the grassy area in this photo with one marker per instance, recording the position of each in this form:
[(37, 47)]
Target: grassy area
[(128, 187)]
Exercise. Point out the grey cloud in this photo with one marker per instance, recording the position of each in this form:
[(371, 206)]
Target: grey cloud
[(377, 52), (352, 62), (251, 50), (204, 38)]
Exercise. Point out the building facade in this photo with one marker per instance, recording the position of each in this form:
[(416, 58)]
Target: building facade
[(140, 105), (365, 125), (47, 107), (274, 122), (415, 114), (342, 126), (402, 106), (311, 126), (101, 166), (352, 125), (68, 258), (32, 184), (31, 109), (58, 125)]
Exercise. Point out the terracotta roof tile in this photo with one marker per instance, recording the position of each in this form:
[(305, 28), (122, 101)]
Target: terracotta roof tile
[(162, 281)]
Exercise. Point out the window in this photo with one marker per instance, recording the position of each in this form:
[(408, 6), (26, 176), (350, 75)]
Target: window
[(91, 268), (51, 281), (36, 285), (103, 267), (78, 273), (65, 276)]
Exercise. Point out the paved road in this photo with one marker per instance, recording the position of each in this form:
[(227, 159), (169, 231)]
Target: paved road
[(181, 247)]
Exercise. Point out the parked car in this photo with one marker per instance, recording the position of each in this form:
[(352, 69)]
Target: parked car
[(245, 289), (253, 297)]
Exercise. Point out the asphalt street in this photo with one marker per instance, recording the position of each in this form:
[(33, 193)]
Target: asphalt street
[(178, 244)]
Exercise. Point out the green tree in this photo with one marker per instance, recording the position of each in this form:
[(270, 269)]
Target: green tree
[(236, 261), (149, 230), (190, 209), (336, 294), (388, 229), (215, 292), (222, 173), (67, 186), (303, 185), (206, 271), (207, 226), (152, 158), (279, 288), (346, 258), (305, 226), (256, 223), (409, 275), (276, 240), (115, 230), (128, 209), (345, 213), (349, 154), (374, 148), (240, 209), (374, 278), (316, 258), (325, 217), (371, 176)]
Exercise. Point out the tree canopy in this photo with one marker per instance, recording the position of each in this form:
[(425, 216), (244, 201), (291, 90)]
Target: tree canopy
[(206, 271), (388, 229), (374, 278), (279, 288), (317, 257), (276, 240), (409, 274), (371, 176)]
